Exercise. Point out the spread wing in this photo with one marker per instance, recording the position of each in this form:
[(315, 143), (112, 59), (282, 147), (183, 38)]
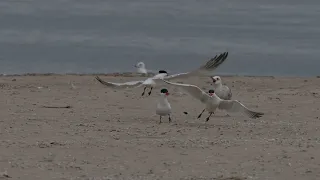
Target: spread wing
[(193, 90), (236, 106), (205, 69), (119, 85)]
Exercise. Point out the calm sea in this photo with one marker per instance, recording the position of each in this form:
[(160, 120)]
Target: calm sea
[(274, 37)]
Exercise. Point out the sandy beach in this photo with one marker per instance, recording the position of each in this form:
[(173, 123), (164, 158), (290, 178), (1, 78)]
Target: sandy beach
[(114, 134)]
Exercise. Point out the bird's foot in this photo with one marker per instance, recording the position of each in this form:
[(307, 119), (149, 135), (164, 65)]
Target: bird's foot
[(199, 116), (169, 119), (142, 94), (149, 93)]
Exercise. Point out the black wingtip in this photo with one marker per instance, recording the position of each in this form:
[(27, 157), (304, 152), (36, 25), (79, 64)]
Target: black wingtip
[(257, 115), (97, 78), (217, 60), (100, 80)]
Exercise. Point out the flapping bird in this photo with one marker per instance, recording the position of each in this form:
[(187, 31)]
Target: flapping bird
[(204, 70), (212, 101)]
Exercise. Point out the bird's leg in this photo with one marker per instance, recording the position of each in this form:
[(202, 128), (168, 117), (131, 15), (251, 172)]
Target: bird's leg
[(144, 89), (160, 119), (201, 114), (209, 117), (169, 118), (150, 91)]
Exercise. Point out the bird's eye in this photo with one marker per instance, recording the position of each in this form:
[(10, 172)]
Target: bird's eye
[(218, 79)]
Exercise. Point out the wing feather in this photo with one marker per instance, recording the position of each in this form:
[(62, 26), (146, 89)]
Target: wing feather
[(205, 69), (119, 85), (193, 90), (236, 106)]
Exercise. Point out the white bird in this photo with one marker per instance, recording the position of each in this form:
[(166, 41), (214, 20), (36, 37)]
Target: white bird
[(148, 83), (205, 70), (141, 68), (222, 91), (163, 105), (72, 85), (212, 101)]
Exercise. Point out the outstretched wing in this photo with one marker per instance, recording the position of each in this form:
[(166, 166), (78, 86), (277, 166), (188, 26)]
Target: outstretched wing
[(193, 90), (205, 69), (119, 85), (236, 106)]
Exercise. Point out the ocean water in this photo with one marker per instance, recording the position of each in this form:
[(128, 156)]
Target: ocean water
[(274, 37)]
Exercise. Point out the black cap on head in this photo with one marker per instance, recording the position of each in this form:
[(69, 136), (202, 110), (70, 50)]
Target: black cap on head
[(162, 71), (211, 91), (164, 90)]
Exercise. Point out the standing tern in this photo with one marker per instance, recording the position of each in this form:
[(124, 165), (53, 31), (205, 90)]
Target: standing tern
[(222, 91), (205, 70), (141, 68), (163, 105), (212, 101)]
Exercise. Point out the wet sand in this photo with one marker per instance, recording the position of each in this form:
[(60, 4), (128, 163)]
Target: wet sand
[(114, 134)]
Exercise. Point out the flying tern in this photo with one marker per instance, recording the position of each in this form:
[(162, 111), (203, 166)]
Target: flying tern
[(212, 101), (204, 70)]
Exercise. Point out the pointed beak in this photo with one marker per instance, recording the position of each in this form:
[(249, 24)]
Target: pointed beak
[(210, 94), (213, 80), (167, 94)]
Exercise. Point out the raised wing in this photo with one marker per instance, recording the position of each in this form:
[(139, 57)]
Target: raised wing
[(236, 106), (205, 69), (193, 90), (119, 85), (215, 62), (179, 75)]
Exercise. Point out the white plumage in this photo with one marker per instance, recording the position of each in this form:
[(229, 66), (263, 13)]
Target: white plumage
[(222, 91), (141, 68), (212, 101), (205, 70), (163, 105)]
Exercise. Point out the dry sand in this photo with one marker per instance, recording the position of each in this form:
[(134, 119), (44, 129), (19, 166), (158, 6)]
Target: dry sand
[(114, 134)]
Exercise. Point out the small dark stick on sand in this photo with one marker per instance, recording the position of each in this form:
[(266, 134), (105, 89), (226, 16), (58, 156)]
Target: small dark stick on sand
[(185, 112), (56, 106)]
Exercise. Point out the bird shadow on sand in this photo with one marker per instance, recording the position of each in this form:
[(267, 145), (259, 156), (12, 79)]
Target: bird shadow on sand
[(215, 121), (205, 125)]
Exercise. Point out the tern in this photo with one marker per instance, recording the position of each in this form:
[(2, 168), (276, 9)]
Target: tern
[(222, 91), (163, 105), (212, 101), (205, 70), (141, 68)]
